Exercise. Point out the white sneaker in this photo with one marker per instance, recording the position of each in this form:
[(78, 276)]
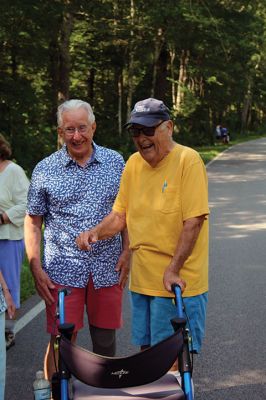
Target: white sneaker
[(177, 376), (179, 380)]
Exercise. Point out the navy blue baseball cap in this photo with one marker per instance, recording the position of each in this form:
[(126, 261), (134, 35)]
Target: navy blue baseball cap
[(148, 112)]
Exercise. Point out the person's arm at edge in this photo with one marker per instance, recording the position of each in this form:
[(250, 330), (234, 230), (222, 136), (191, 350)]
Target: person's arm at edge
[(123, 264), (11, 308), (184, 248), (113, 223), (19, 189), (33, 235)]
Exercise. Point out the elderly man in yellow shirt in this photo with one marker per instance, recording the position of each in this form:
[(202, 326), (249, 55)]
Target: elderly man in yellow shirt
[(163, 200)]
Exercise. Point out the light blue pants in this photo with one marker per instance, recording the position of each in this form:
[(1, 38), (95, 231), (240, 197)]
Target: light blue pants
[(2, 356)]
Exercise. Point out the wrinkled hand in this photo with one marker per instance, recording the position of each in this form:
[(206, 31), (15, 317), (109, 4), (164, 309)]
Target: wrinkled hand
[(171, 277), (123, 266), (43, 285), (85, 238), (11, 308)]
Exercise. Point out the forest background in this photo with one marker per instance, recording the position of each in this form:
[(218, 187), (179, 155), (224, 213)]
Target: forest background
[(205, 59)]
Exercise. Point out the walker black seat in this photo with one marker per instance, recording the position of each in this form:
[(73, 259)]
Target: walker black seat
[(140, 376)]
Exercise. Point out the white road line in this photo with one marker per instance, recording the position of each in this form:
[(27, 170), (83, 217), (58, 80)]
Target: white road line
[(23, 321)]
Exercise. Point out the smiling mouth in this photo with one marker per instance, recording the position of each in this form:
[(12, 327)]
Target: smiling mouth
[(146, 146), (77, 144)]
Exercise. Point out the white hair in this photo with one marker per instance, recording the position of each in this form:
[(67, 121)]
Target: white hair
[(74, 104)]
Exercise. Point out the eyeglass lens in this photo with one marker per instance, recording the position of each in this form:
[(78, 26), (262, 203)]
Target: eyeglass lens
[(71, 130), (136, 131)]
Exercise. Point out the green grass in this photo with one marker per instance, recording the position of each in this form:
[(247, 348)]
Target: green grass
[(207, 153), (27, 282)]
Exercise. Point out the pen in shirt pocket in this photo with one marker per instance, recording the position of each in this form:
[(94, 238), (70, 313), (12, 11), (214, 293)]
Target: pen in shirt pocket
[(164, 186)]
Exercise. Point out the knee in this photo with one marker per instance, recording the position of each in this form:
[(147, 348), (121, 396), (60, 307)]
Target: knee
[(103, 341)]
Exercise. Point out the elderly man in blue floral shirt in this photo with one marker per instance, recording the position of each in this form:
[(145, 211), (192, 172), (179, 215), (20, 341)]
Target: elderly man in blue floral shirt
[(72, 190)]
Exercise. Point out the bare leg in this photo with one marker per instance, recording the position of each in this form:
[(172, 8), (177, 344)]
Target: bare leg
[(51, 357), (103, 341), (174, 366), (144, 347)]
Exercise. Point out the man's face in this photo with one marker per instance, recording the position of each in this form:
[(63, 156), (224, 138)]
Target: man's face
[(77, 133), (154, 148)]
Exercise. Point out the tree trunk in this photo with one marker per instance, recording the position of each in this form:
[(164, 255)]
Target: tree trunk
[(246, 112), (53, 76), (184, 58), (172, 72), (90, 85), (157, 50), (130, 61), (64, 57), (161, 73), (120, 93)]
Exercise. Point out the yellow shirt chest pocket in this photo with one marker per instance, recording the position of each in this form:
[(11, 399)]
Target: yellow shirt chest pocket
[(169, 201)]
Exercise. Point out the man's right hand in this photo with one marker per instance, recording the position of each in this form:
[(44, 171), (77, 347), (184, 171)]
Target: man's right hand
[(43, 285), (85, 239)]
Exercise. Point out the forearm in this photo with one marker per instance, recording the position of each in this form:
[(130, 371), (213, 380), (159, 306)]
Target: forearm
[(11, 308), (3, 283), (184, 248), (110, 225), (125, 239), (32, 237), (186, 243)]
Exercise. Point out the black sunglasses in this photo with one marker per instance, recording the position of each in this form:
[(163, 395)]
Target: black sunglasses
[(137, 130)]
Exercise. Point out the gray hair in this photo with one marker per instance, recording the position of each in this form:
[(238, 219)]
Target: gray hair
[(74, 104)]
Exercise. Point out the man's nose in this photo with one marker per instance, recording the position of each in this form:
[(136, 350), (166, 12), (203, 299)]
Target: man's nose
[(76, 133)]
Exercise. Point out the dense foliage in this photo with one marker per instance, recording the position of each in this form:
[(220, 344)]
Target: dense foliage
[(205, 59)]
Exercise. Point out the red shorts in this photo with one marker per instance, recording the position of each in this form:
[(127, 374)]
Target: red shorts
[(104, 307)]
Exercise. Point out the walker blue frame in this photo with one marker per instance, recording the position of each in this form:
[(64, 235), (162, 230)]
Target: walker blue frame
[(179, 323)]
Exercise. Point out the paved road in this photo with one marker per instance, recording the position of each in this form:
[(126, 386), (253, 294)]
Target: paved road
[(233, 362)]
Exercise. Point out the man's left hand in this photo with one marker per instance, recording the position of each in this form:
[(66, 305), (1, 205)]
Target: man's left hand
[(171, 277), (123, 266)]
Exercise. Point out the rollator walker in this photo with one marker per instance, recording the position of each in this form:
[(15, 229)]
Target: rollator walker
[(84, 375)]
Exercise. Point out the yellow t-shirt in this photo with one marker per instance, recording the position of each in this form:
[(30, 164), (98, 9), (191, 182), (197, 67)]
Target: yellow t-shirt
[(156, 202)]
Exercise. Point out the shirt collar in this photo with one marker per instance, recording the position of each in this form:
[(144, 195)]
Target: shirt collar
[(97, 155)]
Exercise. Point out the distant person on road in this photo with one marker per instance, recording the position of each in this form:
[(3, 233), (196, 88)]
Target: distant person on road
[(14, 186), (218, 132), (70, 191), (222, 134), (6, 303), (163, 200), (225, 135)]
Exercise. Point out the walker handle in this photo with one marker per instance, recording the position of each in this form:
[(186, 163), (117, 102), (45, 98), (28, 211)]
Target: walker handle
[(61, 303), (176, 289)]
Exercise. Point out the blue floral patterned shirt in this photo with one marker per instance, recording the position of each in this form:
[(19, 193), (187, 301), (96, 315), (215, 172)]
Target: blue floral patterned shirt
[(72, 199), (3, 305)]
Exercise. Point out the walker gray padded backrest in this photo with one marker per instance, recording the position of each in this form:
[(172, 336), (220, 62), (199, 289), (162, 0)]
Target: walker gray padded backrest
[(121, 372)]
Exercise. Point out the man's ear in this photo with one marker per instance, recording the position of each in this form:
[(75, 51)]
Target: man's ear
[(93, 127), (61, 137), (170, 127), (60, 131)]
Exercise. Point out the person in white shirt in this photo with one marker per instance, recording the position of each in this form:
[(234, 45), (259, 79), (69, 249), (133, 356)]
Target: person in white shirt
[(14, 186)]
